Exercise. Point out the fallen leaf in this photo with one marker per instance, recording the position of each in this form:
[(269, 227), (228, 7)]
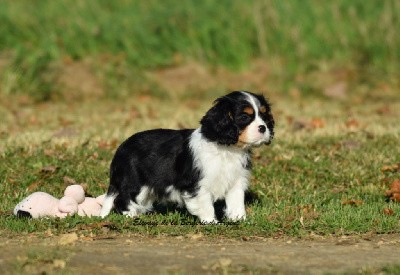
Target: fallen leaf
[(388, 211), (69, 181), (33, 186), (289, 119), (134, 113), (245, 238), (6, 213), (273, 216), (394, 192), (95, 155), (64, 122), (195, 236), (395, 197), (394, 188), (388, 193), (299, 125), (85, 187), (59, 264), (337, 190), (67, 239), (103, 185), (317, 123), (222, 263), (33, 120), (308, 213), (347, 242), (49, 169), (225, 262), (107, 145), (48, 232), (391, 168), (306, 208), (102, 144), (384, 110), (48, 152), (352, 123), (114, 143), (144, 98)]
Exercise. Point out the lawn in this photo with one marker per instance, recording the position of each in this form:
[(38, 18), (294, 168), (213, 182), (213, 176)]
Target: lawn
[(76, 80), (325, 173)]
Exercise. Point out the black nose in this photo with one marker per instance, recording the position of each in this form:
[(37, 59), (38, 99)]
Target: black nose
[(262, 129)]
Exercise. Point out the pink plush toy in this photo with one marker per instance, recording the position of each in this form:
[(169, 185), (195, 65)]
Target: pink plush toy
[(41, 204)]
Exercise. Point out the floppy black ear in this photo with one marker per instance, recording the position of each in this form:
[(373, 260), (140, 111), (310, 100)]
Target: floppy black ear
[(218, 125)]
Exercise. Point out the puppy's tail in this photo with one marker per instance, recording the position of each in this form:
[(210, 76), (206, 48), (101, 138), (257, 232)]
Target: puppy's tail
[(108, 204)]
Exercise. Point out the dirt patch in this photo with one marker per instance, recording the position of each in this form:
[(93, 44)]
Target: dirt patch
[(193, 76), (78, 81), (196, 254)]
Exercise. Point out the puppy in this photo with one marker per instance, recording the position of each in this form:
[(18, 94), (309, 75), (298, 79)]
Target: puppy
[(192, 167)]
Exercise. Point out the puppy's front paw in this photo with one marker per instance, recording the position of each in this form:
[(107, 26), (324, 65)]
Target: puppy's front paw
[(237, 218), (236, 215)]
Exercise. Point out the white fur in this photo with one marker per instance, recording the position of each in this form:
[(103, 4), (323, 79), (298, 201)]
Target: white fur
[(144, 200), (254, 137), (235, 210), (222, 169), (107, 205), (174, 195), (201, 206)]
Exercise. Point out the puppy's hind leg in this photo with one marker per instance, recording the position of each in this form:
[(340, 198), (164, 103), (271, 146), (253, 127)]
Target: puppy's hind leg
[(142, 204)]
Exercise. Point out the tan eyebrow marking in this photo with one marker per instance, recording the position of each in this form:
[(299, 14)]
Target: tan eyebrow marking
[(263, 109), (248, 110)]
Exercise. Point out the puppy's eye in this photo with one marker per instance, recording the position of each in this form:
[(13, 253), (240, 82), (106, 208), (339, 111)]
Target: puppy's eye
[(244, 117)]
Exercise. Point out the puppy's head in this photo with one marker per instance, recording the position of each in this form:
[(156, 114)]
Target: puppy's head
[(240, 118)]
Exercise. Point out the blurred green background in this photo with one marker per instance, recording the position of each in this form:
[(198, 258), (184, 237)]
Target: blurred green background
[(117, 41)]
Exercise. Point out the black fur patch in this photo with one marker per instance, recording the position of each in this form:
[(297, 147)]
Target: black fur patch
[(218, 124), (157, 159)]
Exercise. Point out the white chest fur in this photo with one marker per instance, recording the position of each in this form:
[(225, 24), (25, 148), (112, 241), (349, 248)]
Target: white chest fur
[(221, 167)]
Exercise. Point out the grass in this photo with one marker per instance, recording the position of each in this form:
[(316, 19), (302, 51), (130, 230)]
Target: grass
[(323, 179), (120, 39), (79, 77)]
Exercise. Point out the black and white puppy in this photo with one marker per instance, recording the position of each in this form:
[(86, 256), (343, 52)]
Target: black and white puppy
[(192, 167)]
